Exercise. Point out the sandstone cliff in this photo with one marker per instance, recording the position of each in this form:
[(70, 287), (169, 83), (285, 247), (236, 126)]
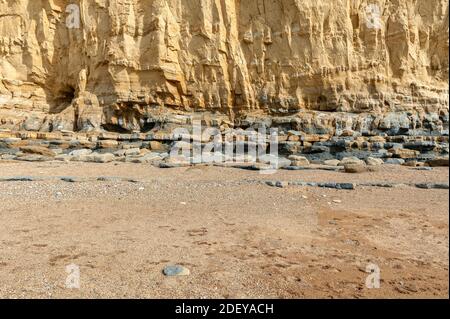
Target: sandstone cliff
[(132, 63)]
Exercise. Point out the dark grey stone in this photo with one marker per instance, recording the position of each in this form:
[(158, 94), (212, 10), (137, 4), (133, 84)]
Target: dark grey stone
[(421, 146), (432, 186)]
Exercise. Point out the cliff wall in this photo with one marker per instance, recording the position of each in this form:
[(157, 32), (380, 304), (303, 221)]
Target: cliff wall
[(128, 64)]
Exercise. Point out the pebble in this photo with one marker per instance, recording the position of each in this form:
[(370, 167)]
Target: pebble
[(177, 270), (432, 186), (423, 168), (20, 179), (109, 179), (352, 242), (71, 179), (279, 184)]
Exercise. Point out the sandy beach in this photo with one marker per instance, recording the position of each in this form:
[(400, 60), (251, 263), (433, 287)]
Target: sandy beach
[(121, 224)]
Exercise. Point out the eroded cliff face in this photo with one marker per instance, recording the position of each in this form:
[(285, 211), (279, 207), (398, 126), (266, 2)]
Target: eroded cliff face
[(131, 62)]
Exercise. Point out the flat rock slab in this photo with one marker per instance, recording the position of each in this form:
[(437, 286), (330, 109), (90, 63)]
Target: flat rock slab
[(346, 186), (432, 186), (33, 158)]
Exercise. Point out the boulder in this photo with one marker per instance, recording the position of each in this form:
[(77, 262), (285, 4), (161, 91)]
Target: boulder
[(371, 161), (403, 153), (438, 162), (351, 161), (355, 168), (38, 150), (298, 160)]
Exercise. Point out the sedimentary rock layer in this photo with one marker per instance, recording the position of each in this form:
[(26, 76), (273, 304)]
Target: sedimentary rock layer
[(123, 65)]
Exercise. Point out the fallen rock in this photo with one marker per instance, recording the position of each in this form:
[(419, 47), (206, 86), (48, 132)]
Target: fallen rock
[(100, 158), (19, 179), (438, 162), (57, 151), (63, 158), (81, 152), (176, 271), (333, 162), (157, 146), (412, 163), (403, 153), (355, 168), (148, 158), (395, 161), (342, 186), (279, 184), (40, 150), (298, 160), (73, 179), (132, 152), (173, 165), (371, 161), (432, 186), (7, 157), (107, 144), (178, 159), (423, 168), (351, 161), (383, 185), (276, 162), (33, 158)]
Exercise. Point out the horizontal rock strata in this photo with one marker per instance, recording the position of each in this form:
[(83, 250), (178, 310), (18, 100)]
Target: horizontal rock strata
[(110, 80), (349, 148), (129, 65)]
